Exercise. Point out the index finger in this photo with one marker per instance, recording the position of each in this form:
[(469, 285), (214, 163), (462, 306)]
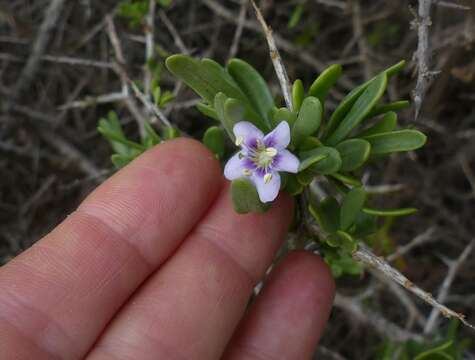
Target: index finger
[(57, 297)]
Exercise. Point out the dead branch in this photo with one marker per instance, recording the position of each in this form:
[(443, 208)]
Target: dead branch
[(276, 59), (422, 54), (383, 326), (51, 17), (365, 256), (149, 47), (239, 28), (454, 267)]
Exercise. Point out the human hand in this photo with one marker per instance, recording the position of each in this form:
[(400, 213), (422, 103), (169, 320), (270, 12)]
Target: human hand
[(155, 264)]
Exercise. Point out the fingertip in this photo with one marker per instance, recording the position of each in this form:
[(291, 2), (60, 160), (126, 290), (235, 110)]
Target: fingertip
[(185, 148), (314, 275)]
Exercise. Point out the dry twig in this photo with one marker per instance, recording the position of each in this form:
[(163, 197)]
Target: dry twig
[(51, 17), (454, 267), (383, 326), (276, 59), (422, 54), (364, 255)]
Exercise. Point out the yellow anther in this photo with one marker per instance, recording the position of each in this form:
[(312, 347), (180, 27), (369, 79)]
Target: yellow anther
[(267, 178), (270, 151), (239, 140), (246, 172)]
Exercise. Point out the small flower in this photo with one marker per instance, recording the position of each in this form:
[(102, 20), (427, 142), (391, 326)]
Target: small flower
[(261, 158)]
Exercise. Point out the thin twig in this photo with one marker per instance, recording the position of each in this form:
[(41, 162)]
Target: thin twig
[(451, 5), (365, 256), (276, 59), (149, 47), (422, 54), (239, 28), (151, 107), (420, 239), (383, 326), (360, 39), (174, 32), (119, 69), (340, 4), (468, 172), (454, 267), (50, 20), (303, 55), (67, 60), (69, 151), (94, 100)]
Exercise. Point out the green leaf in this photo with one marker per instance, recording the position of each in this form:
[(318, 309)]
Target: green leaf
[(206, 77), (390, 212), (305, 177), (346, 179), (324, 82), (293, 186), (394, 106), (432, 353), (116, 138), (327, 214), (245, 197), (283, 114), (393, 70), (207, 110), (354, 153), (311, 160), (308, 120), (229, 112), (348, 102), (296, 16), (253, 85), (213, 138), (111, 126), (365, 225), (310, 143), (171, 133), (347, 242), (298, 94), (120, 160), (387, 124), (323, 160), (151, 136), (395, 141), (351, 207), (360, 109)]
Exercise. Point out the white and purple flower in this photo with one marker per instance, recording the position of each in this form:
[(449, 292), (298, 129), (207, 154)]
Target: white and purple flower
[(261, 158)]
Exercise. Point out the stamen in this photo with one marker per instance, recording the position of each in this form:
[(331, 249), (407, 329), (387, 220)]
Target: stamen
[(270, 151), (246, 172), (241, 156), (267, 178), (239, 140)]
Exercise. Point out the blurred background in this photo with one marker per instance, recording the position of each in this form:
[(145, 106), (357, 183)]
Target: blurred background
[(57, 80)]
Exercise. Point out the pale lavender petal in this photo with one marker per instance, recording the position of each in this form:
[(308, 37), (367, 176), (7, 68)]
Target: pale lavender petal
[(278, 138), (248, 132), (234, 167), (267, 191), (286, 161)]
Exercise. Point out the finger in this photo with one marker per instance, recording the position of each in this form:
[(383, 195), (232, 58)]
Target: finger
[(61, 293), (289, 315), (189, 309)]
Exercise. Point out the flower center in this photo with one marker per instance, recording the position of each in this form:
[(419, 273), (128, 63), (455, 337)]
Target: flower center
[(264, 156)]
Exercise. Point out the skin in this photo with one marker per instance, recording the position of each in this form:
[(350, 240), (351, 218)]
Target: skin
[(155, 264)]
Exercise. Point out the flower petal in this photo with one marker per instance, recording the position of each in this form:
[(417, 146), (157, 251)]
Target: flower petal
[(286, 161), (234, 167), (267, 191), (248, 133), (278, 138)]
